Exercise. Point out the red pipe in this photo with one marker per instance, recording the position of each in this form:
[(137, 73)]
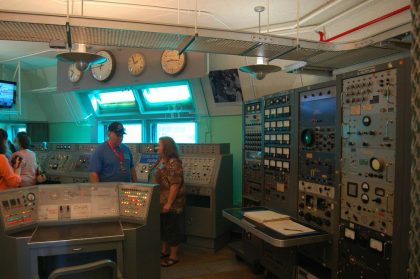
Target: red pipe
[(400, 10)]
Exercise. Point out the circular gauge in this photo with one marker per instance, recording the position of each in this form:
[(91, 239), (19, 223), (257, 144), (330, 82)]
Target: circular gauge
[(365, 198), (366, 120), (104, 71), (365, 186), (307, 137), (30, 197), (136, 64), (73, 73), (172, 62), (376, 164)]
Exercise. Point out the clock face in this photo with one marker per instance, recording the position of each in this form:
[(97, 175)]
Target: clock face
[(73, 73), (104, 71), (136, 64), (172, 63)]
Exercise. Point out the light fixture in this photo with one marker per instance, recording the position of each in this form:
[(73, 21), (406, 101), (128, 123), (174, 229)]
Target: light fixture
[(259, 71), (81, 58)]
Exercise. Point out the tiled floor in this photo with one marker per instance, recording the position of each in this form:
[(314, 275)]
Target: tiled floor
[(197, 264)]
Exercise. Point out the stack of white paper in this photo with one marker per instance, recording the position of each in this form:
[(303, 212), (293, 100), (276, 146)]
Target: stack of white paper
[(264, 216), (288, 227)]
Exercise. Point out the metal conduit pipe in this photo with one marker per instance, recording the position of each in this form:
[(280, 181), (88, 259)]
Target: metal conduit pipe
[(168, 9), (31, 54), (290, 30), (311, 15), (361, 26), (318, 26)]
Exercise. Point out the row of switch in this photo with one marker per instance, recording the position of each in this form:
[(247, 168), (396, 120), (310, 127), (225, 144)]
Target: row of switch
[(276, 101)]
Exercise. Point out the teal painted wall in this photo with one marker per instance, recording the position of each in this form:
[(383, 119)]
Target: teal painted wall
[(71, 133), (225, 129)]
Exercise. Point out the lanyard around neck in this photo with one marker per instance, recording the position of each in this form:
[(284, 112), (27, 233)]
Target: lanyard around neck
[(119, 156)]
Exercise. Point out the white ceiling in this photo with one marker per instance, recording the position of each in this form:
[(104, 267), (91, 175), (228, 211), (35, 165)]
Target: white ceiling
[(332, 17)]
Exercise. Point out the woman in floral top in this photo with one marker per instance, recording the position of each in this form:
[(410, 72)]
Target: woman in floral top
[(168, 173)]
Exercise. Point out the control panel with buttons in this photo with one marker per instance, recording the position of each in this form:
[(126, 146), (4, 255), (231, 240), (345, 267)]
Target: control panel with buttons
[(19, 208), (317, 205), (318, 196), (253, 173), (375, 178), (278, 124), (368, 144), (134, 201)]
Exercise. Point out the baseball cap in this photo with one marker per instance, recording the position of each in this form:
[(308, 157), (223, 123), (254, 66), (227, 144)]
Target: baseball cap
[(117, 128)]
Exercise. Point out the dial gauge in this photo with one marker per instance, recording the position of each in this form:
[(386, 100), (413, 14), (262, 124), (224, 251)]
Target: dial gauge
[(73, 73), (104, 71), (136, 64), (172, 63)]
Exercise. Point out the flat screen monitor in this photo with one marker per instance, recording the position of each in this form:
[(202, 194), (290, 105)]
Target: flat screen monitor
[(7, 94)]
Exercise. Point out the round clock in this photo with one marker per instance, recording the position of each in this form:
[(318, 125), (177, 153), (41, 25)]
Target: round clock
[(136, 64), (73, 73), (104, 71), (172, 63)]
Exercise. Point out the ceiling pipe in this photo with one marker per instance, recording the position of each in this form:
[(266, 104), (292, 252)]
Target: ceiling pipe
[(361, 26), (30, 55), (313, 28), (303, 19), (167, 9)]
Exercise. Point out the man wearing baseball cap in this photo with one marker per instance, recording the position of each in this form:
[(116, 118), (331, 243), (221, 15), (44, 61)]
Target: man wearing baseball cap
[(112, 161)]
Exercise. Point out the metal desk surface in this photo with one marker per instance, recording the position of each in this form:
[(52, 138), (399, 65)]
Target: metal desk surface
[(76, 234), (236, 215)]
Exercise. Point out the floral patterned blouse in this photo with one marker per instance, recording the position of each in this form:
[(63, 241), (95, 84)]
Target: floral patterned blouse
[(166, 174)]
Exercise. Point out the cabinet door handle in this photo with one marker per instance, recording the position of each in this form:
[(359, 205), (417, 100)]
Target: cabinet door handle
[(77, 249)]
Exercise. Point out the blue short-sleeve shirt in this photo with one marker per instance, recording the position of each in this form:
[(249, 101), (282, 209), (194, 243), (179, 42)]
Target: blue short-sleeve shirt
[(107, 164)]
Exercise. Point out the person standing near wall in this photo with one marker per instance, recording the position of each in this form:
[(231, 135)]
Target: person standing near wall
[(29, 164), (168, 173), (9, 176), (112, 161)]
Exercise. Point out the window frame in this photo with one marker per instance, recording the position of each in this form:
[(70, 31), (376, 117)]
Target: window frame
[(154, 124), (103, 129), (117, 110), (175, 107)]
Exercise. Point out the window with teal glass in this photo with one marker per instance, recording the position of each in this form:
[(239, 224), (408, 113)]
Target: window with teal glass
[(133, 133), (113, 101), (185, 132), (174, 97), (167, 94)]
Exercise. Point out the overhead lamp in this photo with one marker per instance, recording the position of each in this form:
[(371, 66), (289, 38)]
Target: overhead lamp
[(259, 71), (82, 59)]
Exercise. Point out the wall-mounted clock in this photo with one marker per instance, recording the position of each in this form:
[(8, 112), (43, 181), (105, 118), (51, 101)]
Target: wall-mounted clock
[(73, 73), (172, 63), (104, 71), (136, 64)]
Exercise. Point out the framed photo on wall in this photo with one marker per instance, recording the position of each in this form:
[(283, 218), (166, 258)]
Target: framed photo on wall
[(226, 86)]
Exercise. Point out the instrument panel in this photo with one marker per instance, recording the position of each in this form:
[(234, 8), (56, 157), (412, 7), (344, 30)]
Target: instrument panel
[(22, 208)]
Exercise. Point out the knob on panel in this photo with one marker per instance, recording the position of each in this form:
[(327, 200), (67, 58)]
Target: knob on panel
[(366, 120), (307, 137), (365, 198), (365, 186), (376, 164)]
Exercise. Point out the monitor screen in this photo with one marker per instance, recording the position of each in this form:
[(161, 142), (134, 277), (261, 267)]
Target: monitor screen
[(7, 94)]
